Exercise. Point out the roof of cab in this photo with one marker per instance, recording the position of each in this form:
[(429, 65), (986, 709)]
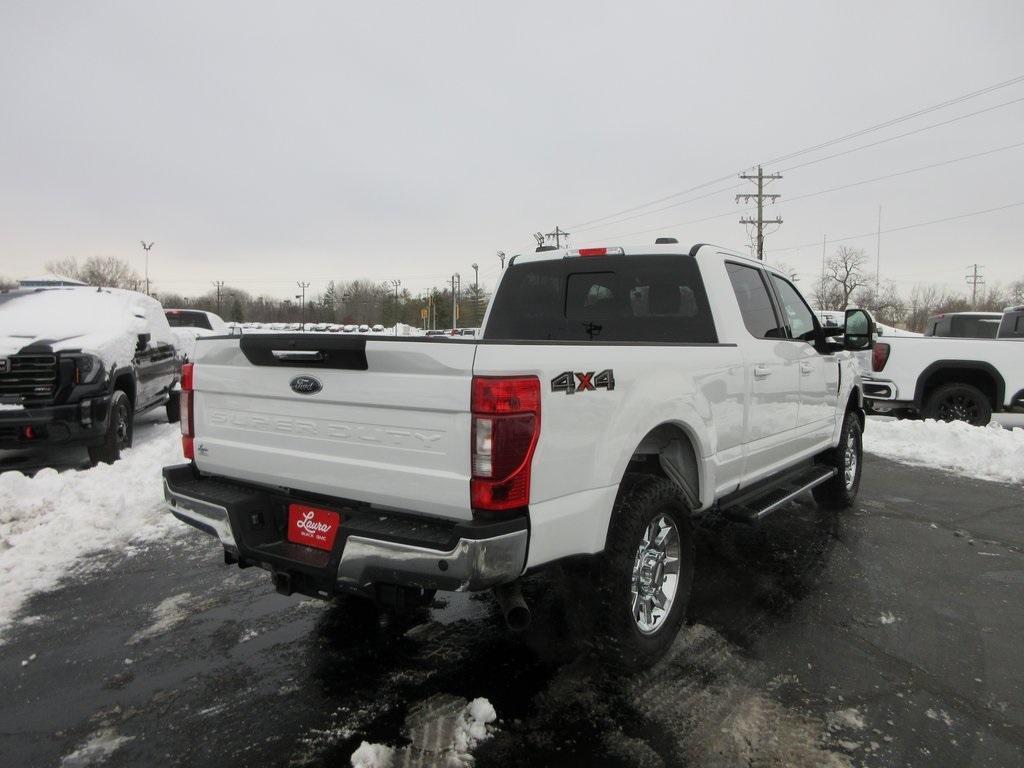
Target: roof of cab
[(646, 249)]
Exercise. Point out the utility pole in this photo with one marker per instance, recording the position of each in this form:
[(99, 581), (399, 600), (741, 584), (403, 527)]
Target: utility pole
[(218, 284), (878, 256), (146, 248), (476, 294), (824, 239), (760, 196), (456, 287), (395, 284), (557, 236), (302, 297), (974, 280), (501, 255)]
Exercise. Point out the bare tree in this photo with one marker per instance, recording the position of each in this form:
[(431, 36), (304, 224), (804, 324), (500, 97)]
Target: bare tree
[(108, 271), (827, 295), (845, 269), (1015, 292), (787, 270), (886, 304)]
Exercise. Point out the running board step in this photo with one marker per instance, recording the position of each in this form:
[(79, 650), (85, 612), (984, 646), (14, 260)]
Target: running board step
[(753, 510)]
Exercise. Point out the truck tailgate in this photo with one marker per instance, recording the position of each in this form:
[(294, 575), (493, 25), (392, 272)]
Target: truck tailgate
[(384, 421)]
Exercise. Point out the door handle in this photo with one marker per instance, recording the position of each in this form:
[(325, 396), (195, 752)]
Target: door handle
[(806, 369), (762, 371)]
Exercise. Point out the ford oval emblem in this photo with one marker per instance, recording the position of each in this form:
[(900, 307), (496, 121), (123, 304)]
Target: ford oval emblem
[(306, 385)]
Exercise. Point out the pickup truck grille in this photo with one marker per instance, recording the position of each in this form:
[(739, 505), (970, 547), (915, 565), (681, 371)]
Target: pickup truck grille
[(29, 376)]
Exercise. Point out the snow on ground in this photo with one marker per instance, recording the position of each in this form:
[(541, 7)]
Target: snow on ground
[(443, 731), (50, 522), (987, 453), (97, 749)]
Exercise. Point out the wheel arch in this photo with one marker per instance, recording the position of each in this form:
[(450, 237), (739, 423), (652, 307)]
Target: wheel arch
[(977, 373), (671, 449), (124, 379)]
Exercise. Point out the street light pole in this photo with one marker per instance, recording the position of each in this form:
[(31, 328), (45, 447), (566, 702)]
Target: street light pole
[(302, 313), (146, 248), (501, 255)]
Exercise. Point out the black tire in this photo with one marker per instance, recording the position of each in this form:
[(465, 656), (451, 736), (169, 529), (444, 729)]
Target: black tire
[(120, 428), (643, 500), (958, 402), (841, 491), (174, 407)]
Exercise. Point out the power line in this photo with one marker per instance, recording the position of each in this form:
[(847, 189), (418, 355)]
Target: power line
[(875, 232), (814, 162), (903, 135), (897, 120), (829, 190), (824, 144), (907, 171)]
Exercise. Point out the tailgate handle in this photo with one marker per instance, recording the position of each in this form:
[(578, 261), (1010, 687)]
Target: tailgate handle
[(291, 354), (293, 350)]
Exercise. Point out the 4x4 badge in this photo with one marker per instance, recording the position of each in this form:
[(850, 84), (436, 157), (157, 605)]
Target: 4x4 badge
[(578, 381)]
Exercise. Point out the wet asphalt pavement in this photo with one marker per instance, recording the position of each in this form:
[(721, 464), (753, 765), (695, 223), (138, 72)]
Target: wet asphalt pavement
[(887, 635)]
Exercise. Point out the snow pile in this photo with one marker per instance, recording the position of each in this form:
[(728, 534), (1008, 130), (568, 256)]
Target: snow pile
[(987, 453), (49, 521), (443, 731), (372, 756)]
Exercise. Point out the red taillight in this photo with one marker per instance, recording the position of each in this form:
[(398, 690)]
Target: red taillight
[(506, 425), (187, 421), (879, 356)]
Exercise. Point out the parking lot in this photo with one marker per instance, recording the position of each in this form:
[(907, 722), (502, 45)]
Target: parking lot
[(884, 636)]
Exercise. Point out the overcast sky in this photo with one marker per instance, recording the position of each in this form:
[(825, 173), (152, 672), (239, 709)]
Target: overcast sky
[(263, 143)]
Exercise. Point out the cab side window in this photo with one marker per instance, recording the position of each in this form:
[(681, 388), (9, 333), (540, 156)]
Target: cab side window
[(755, 302), (797, 314)]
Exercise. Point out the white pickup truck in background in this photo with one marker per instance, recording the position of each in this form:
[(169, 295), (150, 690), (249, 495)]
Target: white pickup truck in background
[(950, 378), (612, 396)]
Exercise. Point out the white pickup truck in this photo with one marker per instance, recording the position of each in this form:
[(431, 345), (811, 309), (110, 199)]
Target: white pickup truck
[(613, 396), (948, 378)]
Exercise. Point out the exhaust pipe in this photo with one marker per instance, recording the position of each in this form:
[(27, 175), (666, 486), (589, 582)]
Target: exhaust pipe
[(513, 607)]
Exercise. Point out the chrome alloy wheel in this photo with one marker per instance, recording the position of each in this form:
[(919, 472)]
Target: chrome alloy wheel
[(655, 574), (850, 460)]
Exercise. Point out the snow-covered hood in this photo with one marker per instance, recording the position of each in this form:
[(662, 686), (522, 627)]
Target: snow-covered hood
[(106, 322), (86, 342)]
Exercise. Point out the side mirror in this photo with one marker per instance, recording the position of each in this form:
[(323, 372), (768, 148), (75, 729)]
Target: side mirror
[(860, 330), (142, 343)]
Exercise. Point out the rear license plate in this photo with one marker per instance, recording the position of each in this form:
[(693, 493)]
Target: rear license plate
[(312, 526)]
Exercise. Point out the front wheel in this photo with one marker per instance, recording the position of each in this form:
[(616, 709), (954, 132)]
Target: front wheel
[(119, 431), (645, 572), (847, 458)]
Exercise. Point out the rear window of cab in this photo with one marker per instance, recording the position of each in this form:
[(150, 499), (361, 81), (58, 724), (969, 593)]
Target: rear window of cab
[(658, 298)]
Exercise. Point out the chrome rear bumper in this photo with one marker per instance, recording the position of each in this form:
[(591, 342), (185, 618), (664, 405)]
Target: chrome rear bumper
[(472, 564)]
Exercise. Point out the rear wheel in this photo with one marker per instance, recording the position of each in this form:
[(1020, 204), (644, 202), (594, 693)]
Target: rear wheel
[(646, 571), (847, 457), (958, 402), (120, 428)]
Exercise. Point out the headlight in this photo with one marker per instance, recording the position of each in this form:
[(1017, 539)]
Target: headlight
[(87, 368)]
